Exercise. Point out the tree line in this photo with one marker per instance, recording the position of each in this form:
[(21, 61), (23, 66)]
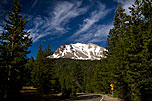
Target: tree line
[(129, 57), (128, 62), (62, 75)]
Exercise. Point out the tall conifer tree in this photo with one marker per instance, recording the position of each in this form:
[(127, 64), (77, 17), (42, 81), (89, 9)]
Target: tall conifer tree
[(116, 45), (15, 43), (43, 71), (146, 73), (129, 51)]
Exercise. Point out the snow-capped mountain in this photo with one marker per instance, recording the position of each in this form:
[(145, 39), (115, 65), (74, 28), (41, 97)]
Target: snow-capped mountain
[(79, 51)]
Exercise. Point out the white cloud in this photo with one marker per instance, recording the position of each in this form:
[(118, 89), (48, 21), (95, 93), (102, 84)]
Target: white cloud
[(36, 31), (64, 12), (37, 37), (56, 24), (95, 16), (38, 27), (97, 33)]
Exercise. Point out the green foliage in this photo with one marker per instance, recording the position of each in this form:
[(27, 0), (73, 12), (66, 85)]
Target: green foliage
[(47, 51), (42, 73), (128, 62), (75, 76), (28, 73), (14, 43)]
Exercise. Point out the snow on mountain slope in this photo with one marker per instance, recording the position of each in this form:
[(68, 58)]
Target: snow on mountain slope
[(79, 51)]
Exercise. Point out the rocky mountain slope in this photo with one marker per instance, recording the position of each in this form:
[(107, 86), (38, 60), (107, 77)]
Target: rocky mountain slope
[(79, 51)]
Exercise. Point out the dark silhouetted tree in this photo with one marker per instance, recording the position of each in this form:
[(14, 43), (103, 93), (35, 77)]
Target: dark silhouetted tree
[(15, 42)]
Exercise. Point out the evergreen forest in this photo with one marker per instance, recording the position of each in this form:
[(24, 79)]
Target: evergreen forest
[(128, 62)]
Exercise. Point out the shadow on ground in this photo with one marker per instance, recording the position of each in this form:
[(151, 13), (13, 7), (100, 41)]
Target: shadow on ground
[(85, 97), (31, 94)]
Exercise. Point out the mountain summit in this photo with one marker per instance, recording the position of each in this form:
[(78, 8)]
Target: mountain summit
[(79, 51)]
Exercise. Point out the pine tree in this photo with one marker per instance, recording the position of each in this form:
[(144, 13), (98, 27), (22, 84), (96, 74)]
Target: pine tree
[(129, 51), (15, 42), (134, 50), (3, 72), (67, 82), (47, 51), (37, 69), (116, 57), (28, 76), (126, 52), (103, 77), (43, 72), (146, 80)]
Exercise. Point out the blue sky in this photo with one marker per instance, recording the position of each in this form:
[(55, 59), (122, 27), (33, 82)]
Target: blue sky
[(59, 22)]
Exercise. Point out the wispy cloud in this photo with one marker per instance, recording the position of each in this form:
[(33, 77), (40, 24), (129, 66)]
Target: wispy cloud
[(56, 23), (97, 33), (37, 29), (92, 32), (34, 3), (64, 12), (95, 16), (100, 33)]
